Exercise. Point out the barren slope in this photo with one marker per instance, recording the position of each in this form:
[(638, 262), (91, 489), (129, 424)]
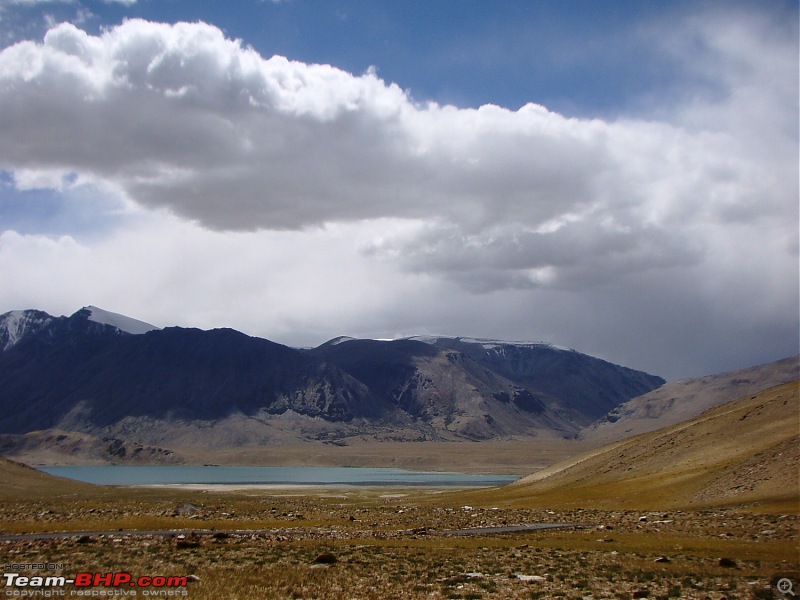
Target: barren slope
[(54, 446), (678, 401), (21, 481), (744, 452)]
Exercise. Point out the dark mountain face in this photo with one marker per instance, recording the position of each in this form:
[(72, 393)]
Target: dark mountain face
[(581, 387), (78, 374), (98, 374), (442, 391), (388, 369), (528, 386)]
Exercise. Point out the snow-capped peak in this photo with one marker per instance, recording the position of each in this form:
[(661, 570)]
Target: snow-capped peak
[(17, 323), (486, 343), (489, 344), (121, 322), (340, 340)]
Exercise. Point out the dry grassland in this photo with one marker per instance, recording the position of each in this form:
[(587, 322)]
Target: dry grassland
[(397, 546)]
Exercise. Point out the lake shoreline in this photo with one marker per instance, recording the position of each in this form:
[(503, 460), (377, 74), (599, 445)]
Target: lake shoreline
[(229, 478)]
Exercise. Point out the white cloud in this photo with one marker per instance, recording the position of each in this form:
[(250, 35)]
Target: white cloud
[(180, 117), (348, 179), (171, 272)]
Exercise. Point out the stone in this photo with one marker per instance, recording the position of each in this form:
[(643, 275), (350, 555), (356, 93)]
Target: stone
[(326, 558), (530, 578)]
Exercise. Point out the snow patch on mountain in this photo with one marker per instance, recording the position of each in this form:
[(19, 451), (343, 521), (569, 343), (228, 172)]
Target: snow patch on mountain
[(121, 322), (14, 325), (340, 340), (486, 343)]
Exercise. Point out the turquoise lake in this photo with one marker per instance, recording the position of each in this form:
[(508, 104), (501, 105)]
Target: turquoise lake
[(166, 475)]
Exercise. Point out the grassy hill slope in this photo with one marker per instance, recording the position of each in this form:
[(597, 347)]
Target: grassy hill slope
[(21, 481), (745, 452)]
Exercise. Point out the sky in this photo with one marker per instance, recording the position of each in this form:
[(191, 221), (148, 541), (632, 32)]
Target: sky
[(617, 177)]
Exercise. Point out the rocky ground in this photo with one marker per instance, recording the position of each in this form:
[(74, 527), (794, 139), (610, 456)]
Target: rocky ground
[(380, 545)]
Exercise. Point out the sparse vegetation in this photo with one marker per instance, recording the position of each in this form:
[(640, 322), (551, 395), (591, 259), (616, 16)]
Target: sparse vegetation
[(379, 554)]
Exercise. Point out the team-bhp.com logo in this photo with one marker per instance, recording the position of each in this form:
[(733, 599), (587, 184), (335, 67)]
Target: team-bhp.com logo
[(93, 584)]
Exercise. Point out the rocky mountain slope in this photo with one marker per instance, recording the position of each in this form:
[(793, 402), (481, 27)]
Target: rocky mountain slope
[(580, 387), (113, 377), (743, 452), (682, 400), (54, 446)]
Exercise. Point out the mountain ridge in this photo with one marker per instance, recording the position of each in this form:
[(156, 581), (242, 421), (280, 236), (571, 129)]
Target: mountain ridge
[(85, 373), (121, 322)]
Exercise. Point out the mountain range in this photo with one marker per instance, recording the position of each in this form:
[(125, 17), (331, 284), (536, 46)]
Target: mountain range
[(145, 388)]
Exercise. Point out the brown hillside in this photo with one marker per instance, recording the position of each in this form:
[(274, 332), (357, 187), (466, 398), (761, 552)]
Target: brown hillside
[(682, 400), (21, 481), (746, 452)]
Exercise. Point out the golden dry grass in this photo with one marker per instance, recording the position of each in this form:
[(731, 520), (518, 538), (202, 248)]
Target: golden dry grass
[(744, 453), (614, 555)]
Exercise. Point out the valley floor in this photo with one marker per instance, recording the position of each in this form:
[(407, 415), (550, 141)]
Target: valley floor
[(503, 457), (381, 543)]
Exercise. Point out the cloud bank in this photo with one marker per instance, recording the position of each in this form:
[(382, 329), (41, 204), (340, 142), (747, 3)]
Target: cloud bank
[(684, 209)]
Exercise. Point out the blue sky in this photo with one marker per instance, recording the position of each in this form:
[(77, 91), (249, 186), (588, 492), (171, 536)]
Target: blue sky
[(632, 192), (579, 57)]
